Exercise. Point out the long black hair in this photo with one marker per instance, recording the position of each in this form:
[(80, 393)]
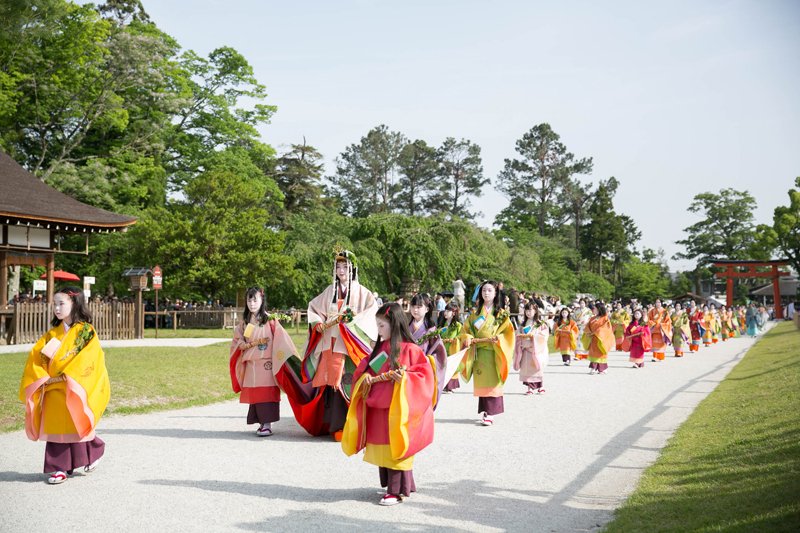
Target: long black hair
[(496, 304), (601, 309), (642, 320), (423, 299), (80, 313), (560, 319), (398, 328), (452, 306), (261, 315), (537, 317)]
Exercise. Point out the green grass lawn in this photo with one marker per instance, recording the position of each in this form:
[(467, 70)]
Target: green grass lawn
[(209, 333), (734, 465)]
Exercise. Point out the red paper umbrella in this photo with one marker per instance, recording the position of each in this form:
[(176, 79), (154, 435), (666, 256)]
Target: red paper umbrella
[(60, 275)]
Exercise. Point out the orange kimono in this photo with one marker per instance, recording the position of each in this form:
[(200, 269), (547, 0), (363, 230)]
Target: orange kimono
[(660, 331)]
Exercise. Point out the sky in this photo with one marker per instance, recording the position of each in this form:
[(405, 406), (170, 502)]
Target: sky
[(672, 98)]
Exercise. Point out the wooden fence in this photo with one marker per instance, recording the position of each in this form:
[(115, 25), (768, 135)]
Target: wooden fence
[(113, 320)]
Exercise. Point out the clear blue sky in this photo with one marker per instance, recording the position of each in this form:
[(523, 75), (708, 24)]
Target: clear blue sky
[(673, 98)]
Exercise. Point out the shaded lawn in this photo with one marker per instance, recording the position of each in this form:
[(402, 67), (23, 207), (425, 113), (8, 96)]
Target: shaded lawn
[(734, 465)]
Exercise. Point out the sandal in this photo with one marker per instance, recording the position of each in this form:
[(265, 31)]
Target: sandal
[(390, 499), (264, 432), (91, 467), (57, 477)]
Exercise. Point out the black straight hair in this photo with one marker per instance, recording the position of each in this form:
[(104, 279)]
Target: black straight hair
[(423, 299), (601, 309), (537, 317), (398, 331), (261, 314), (560, 319), (80, 313), (642, 320), (496, 305), (452, 306)]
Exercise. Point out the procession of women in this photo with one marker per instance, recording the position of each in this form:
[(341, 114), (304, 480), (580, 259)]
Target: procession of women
[(371, 376)]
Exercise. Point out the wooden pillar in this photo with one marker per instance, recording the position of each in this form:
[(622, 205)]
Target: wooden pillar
[(51, 266), (776, 292), (3, 278), (729, 286)]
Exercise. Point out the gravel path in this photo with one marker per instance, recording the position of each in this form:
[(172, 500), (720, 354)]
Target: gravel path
[(561, 461)]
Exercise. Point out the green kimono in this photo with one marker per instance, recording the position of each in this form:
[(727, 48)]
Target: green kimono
[(487, 362)]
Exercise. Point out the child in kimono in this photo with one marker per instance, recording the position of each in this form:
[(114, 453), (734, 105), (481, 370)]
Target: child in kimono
[(566, 333), (391, 410), (637, 339), (65, 388), (449, 331), (530, 350)]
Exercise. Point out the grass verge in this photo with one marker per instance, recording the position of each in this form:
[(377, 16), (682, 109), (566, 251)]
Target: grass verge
[(734, 465)]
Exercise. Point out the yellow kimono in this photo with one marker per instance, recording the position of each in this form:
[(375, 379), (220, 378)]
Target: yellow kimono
[(65, 411), (487, 362)]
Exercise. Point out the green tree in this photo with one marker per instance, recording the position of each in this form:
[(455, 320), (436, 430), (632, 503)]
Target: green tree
[(604, 235), (461, 168), (366, 173), (220, 237), (298, 173), (542, 171), (727, 230), (786, 227), (643, 280), (419, 174)]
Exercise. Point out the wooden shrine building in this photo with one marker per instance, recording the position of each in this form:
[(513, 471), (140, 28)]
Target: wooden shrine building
[(767, 270), (34, 217)]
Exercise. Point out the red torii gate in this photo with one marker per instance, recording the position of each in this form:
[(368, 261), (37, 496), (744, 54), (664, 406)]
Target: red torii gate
[(732, 270)]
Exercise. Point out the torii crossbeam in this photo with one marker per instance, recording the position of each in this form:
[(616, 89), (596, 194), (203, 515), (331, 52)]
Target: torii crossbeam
[(747, 269)]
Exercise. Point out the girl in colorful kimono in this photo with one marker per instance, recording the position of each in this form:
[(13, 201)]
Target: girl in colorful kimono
[(449, 332), (566, 333), (582, 315), (259, 347), (751, 320), (65, 389), (696, 326), (490, 336), (716, 324), (660, 330), (680, 330), (637, 339), (426, 335), (341, 324), (598, 338), (619, 321), (391, 411), (708, 325), (530, 349)]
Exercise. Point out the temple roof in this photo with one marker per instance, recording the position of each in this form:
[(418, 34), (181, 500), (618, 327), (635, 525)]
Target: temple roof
[(26, 199)]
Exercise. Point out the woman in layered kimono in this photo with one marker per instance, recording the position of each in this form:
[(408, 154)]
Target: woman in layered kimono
[(566, 335), (65, 389), (751, 320), (259, 349), (637, 339), (696, 326), (530, 349), (582, 315), (449, 332), (680, 330), (391, 412), (725, 325), (426, 335), (620, 319), (490, 336), (598, 338), (660, 330), (716, 328), (341, 324), (709, 323)]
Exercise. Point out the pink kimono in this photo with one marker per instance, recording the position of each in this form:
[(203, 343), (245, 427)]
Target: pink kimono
[(531, 356)]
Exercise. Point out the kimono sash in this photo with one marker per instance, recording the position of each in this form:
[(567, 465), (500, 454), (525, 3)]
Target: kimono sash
[(503, 350)]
